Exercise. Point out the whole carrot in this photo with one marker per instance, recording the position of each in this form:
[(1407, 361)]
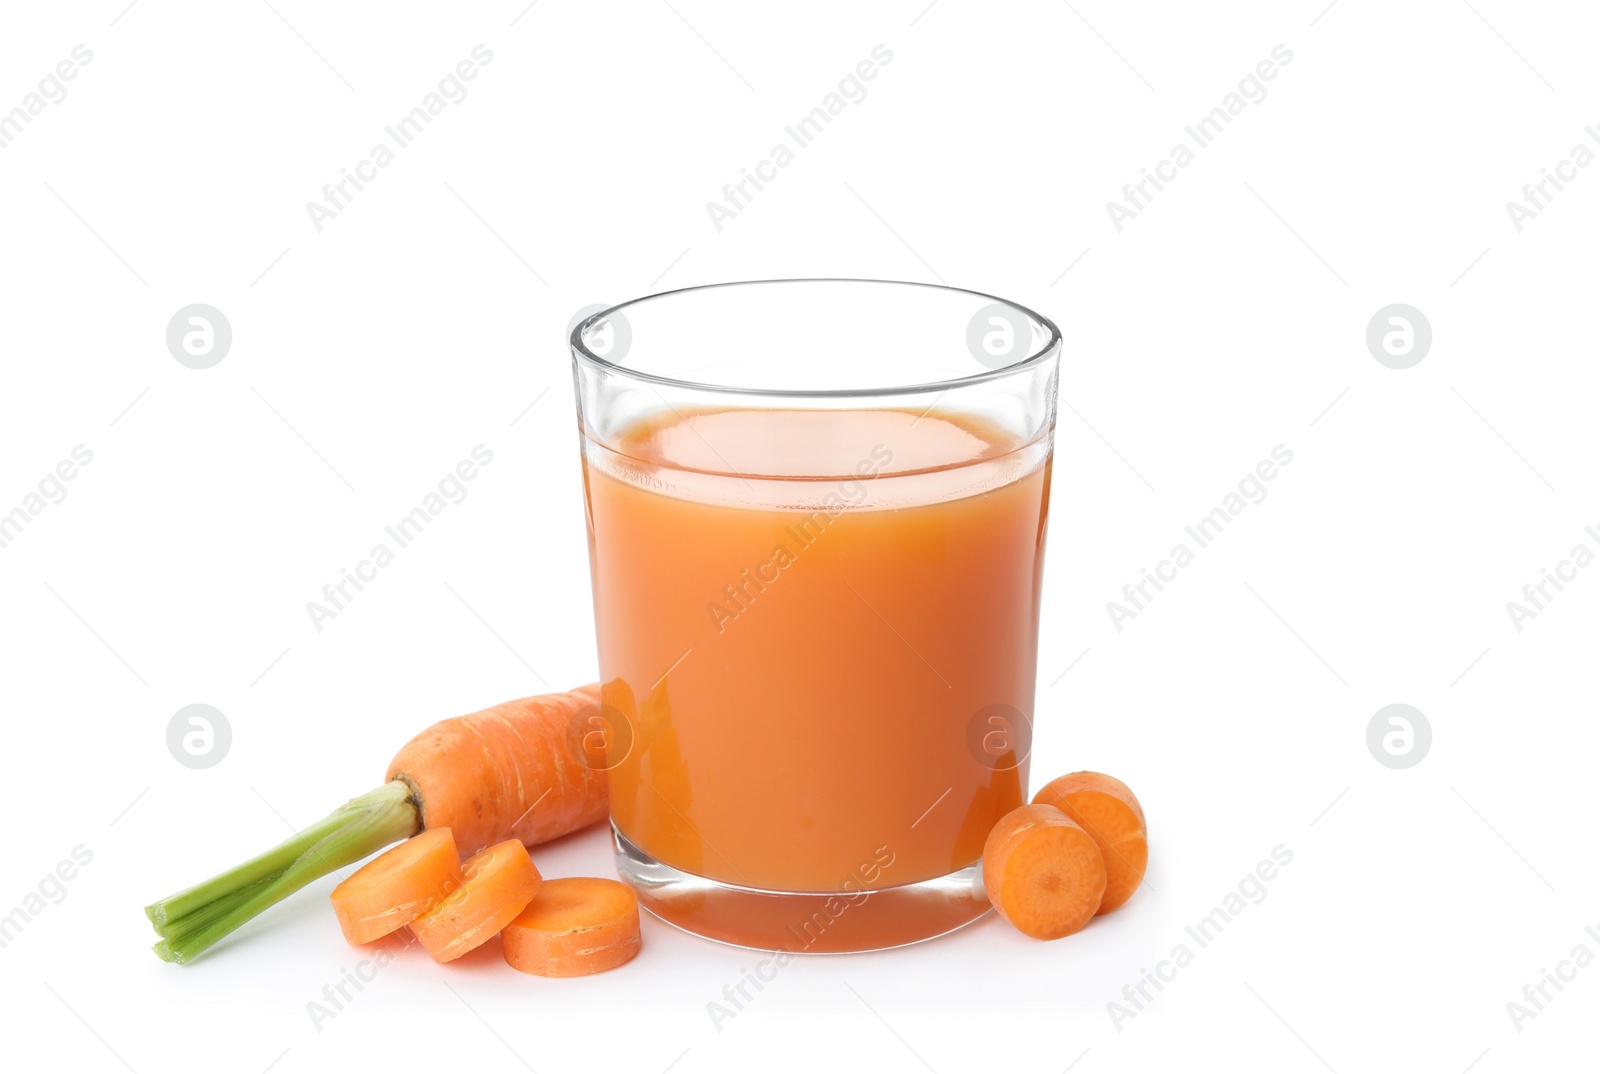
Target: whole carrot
[(514, 771), (482, 775)]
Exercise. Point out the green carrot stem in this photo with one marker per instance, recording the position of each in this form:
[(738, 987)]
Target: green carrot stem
[(194, 919), (192, 922), (261, 867)]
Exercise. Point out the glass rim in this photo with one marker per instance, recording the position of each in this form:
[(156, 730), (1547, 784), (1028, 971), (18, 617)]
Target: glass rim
[(581, 352)]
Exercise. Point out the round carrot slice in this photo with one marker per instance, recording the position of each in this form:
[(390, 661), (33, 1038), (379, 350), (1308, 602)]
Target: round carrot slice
[(1105, 808), (575, 926), (499, 881), (390, 891), (1043, 872)]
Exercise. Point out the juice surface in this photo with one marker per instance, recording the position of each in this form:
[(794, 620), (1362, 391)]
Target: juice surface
[(813, 666)]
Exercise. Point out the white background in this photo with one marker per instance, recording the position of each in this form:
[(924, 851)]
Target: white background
[(427, 317)]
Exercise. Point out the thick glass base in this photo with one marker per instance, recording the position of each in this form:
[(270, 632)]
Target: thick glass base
[(802, 922)]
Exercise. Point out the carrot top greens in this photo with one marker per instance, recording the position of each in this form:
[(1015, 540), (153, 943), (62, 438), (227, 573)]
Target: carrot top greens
[(194, 919)]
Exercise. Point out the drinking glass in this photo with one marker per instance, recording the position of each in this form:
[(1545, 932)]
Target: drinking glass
[(816, 515)]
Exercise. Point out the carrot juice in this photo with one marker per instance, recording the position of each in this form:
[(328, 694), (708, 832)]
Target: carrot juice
[(817, 633)]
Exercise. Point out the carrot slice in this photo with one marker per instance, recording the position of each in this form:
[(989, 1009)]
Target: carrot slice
[(575, 926), (499, 881), (1043, 872), (390, 891), (1108, 811)]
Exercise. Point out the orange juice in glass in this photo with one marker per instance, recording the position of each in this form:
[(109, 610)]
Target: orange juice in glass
[(816, 514)]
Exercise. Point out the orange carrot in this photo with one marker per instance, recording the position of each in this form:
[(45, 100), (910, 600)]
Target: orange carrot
[(1043, 872), (575, 926), (390, 890), (514, 771), (500, 881), (1109, 812)]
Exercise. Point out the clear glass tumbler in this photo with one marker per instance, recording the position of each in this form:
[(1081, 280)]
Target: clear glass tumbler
[(816, 516)]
